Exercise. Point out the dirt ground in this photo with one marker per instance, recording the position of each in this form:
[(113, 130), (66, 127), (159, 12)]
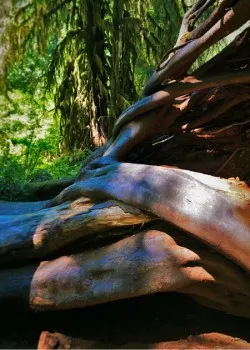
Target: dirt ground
[(156, 321)]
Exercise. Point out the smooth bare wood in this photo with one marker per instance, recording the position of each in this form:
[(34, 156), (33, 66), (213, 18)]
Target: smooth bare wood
[(158, 260), (213, 210), (138, 265)]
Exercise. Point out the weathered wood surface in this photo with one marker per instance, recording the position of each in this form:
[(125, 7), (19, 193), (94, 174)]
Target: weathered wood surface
[(40, 233)]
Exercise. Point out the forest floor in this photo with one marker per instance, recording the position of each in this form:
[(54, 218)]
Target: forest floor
[(156, 321)]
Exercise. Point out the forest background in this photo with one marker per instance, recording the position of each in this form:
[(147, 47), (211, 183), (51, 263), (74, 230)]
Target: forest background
[(68, 68)]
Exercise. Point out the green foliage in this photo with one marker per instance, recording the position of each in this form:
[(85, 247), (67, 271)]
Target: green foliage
[(30, 138), (12, 186), (96, 50), (25, 75), (38, 160), (65, 165)]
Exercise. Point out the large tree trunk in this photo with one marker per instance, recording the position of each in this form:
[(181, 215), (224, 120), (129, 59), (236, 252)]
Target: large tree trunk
[(147, 212)]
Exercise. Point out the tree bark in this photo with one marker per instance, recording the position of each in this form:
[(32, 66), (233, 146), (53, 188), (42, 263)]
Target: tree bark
[(5, 22)]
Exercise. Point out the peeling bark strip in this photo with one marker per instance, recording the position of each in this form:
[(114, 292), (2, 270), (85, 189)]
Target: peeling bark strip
[(211, 209), (38, 234)]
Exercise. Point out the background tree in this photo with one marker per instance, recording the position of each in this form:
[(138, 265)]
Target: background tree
[(5, 20), (97, 48), (94, 58)]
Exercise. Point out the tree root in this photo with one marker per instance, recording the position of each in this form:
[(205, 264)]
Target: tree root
[(185, 86), (149, 262), (209, 341), (209, 208), (179, 63)]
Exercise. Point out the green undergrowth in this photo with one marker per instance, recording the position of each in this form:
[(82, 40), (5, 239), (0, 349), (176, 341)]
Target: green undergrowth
[(16, 179), (30, 139), (29, 159)]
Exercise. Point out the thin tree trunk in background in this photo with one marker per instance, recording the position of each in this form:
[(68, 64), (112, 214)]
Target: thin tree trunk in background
[(95, 42), (5, 20)]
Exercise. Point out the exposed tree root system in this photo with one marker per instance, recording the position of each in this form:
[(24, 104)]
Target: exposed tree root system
[(164, 206)]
